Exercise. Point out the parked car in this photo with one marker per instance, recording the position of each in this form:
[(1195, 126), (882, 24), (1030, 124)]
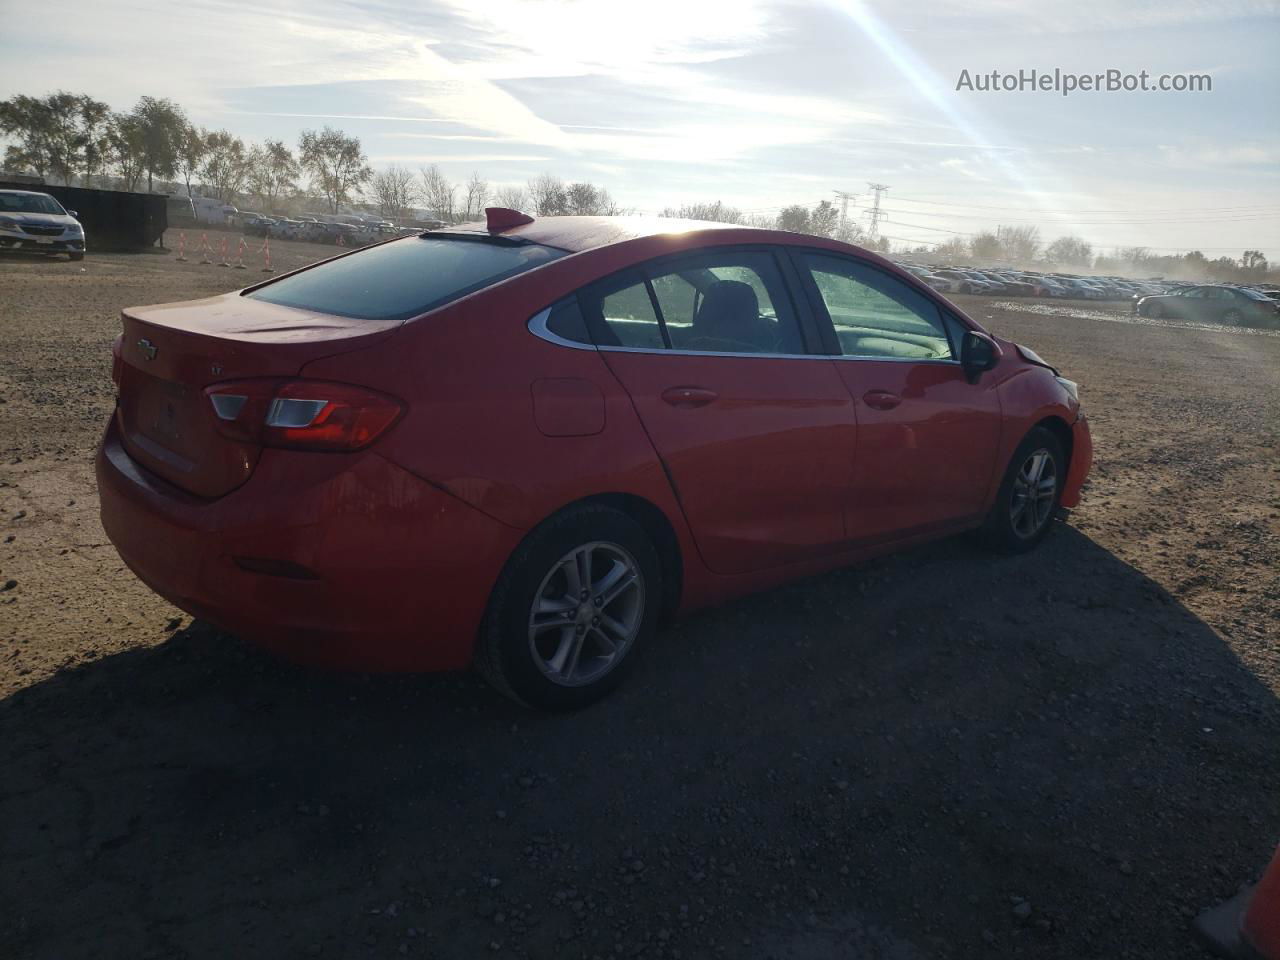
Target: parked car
[(1237, 306), (667, 420), (282, 228), (257, 226), (34, 222), (962, 282), (937, 283)]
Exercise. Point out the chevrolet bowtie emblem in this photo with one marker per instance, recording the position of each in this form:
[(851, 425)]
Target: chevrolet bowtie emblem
[(148, 348)]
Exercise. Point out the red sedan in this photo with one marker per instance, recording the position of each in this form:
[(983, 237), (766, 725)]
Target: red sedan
[(521, 444)]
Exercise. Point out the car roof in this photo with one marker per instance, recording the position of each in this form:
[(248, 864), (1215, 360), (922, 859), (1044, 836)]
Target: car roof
[(30, 193), (576, 234)]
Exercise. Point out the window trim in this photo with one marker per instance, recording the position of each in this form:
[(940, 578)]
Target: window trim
[(538, 327), (826, 325)]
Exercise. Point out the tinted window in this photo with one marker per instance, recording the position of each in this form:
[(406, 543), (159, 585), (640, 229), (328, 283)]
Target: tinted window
[(877, 315), (630, 318), (733, 302), (565, 321), (399, 280)]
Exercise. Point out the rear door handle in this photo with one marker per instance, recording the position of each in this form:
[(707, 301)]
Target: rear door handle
[(881, 399), (689, 396)]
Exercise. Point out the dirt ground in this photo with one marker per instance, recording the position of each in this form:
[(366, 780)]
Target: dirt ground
[(942, 754)]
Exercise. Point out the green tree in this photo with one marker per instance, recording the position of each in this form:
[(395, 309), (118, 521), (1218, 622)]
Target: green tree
[(95, 127), (162, 124), (126, 148), (272, 172), (227, 163), (794, 218), (824, 219), (50, 142), (192, 150), (335, 162)]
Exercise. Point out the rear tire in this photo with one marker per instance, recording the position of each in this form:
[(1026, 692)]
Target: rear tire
[(571, 607), (1232, 318), (1029, 495)]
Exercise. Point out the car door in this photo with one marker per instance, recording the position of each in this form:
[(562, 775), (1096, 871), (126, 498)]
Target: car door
[(927, 437), (754, 427)]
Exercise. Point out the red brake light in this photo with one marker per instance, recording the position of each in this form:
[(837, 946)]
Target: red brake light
[(302, 414)]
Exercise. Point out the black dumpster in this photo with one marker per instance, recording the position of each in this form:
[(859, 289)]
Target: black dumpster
[(113, 219)]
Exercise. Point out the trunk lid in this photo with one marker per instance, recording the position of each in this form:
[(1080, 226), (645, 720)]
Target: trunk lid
[(171, 352)]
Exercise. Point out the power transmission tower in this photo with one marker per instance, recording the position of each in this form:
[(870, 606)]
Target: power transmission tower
[(844, 197), (878, 189)]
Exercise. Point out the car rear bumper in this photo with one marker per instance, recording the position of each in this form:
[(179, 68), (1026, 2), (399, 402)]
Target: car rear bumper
[(1081, 462), (376, 569)]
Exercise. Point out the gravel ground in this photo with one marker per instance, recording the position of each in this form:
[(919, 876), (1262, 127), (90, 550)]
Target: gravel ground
[(938, 755)]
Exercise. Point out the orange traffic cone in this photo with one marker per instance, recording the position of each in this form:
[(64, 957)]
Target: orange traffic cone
[(224, 262), (182, 247), (240, 255), (1247, 927), (266, 256), (204, 248), (341, 242)]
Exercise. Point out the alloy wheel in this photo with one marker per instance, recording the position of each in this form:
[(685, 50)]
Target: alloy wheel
[(586, 614), (1035, 489)]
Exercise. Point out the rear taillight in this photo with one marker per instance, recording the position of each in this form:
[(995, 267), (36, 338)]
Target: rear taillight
[(301, 414), (117, 360)]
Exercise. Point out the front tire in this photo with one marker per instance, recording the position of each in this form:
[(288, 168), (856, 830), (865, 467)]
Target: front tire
[(574, 603), (1232, 318), (1029, 494), (76, 257)]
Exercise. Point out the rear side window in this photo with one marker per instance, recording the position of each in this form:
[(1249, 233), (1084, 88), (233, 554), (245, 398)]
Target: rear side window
[(399, 280)]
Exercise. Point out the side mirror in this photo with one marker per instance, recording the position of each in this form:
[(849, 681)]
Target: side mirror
[(72, 213), (978, 354)]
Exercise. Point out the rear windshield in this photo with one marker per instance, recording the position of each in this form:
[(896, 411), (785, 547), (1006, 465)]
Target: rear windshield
[(404, 278)]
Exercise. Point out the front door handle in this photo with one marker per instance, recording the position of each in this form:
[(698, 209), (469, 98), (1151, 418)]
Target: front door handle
[(689, 396), (881, 399)]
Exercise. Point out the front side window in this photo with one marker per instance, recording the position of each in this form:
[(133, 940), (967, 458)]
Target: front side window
[(396, 281), (732, 302), (875, 314)]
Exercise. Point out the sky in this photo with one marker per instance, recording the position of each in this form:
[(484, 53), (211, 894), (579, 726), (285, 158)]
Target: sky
[(757, 103)]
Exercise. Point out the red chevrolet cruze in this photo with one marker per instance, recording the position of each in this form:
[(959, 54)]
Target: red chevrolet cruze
[(520, 444)]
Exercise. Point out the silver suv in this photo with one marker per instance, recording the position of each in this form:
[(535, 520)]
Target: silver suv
[(33, 222)]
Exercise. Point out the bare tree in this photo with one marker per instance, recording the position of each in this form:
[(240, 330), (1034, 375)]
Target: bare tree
[(1069, 252), (477, 190), (337, 165), (985, 246), (511, 197), (1019, 244), (547, 195), (438, 194), (717, 212), (396, 191)]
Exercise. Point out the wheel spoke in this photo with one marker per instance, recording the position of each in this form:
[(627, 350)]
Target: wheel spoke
[(565, 647), (614, 584), (578, 639), (608, 646)]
